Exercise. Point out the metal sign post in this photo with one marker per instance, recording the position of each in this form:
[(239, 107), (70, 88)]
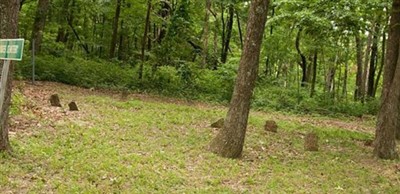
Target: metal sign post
[(33, 61), (3, 84), (10, 49)]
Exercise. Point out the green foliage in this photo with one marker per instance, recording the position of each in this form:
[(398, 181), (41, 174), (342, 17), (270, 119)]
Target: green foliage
[(187, 80), (78, 71), (17, 101), (298, 100)]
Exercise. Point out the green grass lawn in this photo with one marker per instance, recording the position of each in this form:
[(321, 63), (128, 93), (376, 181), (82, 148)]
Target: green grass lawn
[(155, 145)]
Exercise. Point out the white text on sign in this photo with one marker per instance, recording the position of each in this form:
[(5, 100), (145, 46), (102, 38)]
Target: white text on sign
[(12, 49)]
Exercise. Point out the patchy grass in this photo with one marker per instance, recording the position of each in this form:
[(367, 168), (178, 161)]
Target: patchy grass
[(146, 144)]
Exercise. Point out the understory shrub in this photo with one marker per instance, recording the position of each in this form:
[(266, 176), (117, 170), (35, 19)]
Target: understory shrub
[(187, 80)]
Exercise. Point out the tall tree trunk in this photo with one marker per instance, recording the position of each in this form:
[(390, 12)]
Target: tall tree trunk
[(366, 65), (383, 57), (229, 28), (144, 39), (388, 117), (229, 141), (239, 25), (121, 46), (359, 53), (115, 29), (206, 33), (8, 29), (215, 46), (372, 63), (39, 24), (314, 78), (164, 13), (330, 79), (303, 59), (346, 75), (268, 68)]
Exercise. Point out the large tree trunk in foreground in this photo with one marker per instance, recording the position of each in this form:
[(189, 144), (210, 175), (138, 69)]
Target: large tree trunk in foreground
[(388, 122), (229, 141), (39, 24), (8, 29)]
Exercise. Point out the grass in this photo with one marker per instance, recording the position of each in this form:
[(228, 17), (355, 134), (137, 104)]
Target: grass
[(150, 145)]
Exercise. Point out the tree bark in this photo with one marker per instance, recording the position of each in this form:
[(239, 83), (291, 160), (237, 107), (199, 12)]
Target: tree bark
[(367, 56), (357, 92), (144, 39), (8, 29), (229, 141), (314, 78), (115, 29), (373, 62), (388, 122), (39, 24), (206, 33), (229, 28), (239, 25), (383, 57), (303, 59)]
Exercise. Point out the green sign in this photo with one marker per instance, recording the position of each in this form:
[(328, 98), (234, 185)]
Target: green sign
[(11, 49)]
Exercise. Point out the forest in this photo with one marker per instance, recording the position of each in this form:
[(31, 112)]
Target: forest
[(303, 91)]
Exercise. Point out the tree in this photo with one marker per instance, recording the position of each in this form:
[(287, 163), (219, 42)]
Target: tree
[(388, 121), (115, 29), (229, 141), (39, 24), (146, 28), (8, 29)]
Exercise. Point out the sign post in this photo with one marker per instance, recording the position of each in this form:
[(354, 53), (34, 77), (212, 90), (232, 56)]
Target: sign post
[(10, 50)]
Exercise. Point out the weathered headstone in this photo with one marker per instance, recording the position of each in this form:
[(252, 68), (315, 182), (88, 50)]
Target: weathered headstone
[(72, 106), (311, 142), (271, 126), (218, 124), (55, 100), (124, 94), (369, 142)]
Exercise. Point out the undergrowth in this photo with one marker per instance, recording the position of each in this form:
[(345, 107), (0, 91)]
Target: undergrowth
[(187, 80)]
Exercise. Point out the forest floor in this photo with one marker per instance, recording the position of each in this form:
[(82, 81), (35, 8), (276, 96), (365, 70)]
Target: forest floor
[(147, 144)]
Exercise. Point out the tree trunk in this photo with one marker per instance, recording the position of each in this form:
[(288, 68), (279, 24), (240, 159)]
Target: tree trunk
[(359, 45), (164, 13), (229, 141), (372, 63), (346, 75), (115, 29), (314, 78), (388, 121), (268, 68), (367, 53), (146, 28), (303, 59), (215, 46), (206, 33), (239, 25), (8, 29), (229, 27), (383, 57), (39, 24), (121, 46)]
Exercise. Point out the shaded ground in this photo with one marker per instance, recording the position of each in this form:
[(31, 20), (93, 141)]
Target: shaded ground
[(148, 144)]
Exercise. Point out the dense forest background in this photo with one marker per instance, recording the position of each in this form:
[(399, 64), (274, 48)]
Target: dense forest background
[(320, 57)]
